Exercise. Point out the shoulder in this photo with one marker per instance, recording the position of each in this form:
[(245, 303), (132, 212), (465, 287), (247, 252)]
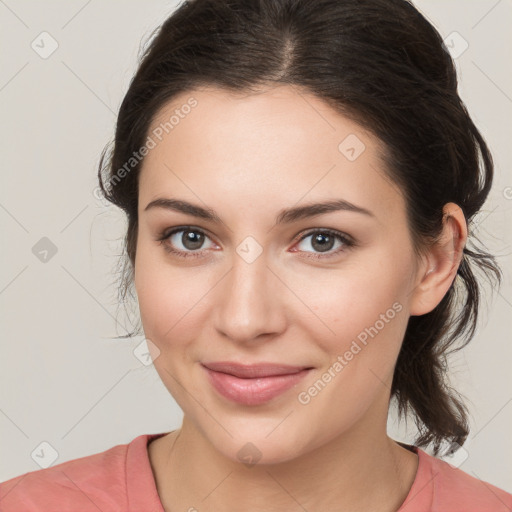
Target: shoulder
[(455, 487), (445, 487), (93, 482)]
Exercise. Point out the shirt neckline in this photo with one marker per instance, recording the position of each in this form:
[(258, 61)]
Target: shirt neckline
[(142, 493), (419, 488)]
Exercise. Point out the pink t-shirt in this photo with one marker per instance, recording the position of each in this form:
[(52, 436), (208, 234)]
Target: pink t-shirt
[(121, 479)]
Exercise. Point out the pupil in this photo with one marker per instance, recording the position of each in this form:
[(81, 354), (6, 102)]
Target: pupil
[(323, 247), (192, 240)]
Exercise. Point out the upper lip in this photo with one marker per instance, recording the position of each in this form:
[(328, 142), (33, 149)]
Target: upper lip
[(248, 371)]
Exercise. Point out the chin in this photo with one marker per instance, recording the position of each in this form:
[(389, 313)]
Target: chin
[(257, 441), (261, 451)]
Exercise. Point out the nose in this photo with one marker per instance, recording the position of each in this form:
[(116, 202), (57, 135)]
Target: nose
[(250, 301)]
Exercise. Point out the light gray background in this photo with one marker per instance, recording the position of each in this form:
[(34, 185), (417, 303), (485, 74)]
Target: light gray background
[(63, 380)]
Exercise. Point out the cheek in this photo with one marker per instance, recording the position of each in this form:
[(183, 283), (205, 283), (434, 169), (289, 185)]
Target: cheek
[(363, 309), (161, 293), (171, 298), (366, 310)]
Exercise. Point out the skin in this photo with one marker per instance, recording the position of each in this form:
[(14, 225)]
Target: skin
[(247, 157)]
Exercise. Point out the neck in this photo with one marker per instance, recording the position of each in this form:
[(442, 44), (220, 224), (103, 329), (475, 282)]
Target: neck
[(358, 470)]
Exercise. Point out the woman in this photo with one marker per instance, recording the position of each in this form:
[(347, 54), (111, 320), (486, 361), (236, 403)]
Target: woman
[(298, 179)]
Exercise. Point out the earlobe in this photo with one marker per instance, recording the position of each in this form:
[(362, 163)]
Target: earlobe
[(441, 262)]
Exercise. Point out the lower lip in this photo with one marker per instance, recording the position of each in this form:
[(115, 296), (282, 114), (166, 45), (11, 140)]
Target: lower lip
[(253, 391)]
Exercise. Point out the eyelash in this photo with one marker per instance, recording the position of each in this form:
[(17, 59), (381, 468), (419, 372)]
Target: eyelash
[(347, 241)]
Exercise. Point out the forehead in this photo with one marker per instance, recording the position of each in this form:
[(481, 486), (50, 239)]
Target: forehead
[(279, 144)]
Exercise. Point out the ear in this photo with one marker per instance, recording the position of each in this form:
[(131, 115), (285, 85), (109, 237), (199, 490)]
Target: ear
[(440, 263)]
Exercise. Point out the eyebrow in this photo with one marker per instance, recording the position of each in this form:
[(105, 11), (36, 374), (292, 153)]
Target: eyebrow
[(286, 216)]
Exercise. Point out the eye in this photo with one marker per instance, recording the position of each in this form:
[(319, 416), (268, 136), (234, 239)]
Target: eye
[(323, 241), (188, 242), (185, 241)]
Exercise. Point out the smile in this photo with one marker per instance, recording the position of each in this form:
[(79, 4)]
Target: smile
[(253, 384)]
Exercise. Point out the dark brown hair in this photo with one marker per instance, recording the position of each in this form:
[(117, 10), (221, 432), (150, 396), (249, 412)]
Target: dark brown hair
[(379, 62)]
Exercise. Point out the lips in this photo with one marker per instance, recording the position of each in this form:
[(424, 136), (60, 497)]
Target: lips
[(253, 384), (253, 371)]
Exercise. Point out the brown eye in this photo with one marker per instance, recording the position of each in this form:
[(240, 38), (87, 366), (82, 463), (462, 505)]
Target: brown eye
[(185, 242), (323, 241), (192, 240)]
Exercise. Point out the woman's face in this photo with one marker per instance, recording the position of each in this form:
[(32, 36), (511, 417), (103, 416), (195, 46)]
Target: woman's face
[(242, 287)]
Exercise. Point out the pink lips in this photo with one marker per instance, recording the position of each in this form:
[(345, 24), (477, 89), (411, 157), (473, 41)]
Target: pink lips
[(253, 384)]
